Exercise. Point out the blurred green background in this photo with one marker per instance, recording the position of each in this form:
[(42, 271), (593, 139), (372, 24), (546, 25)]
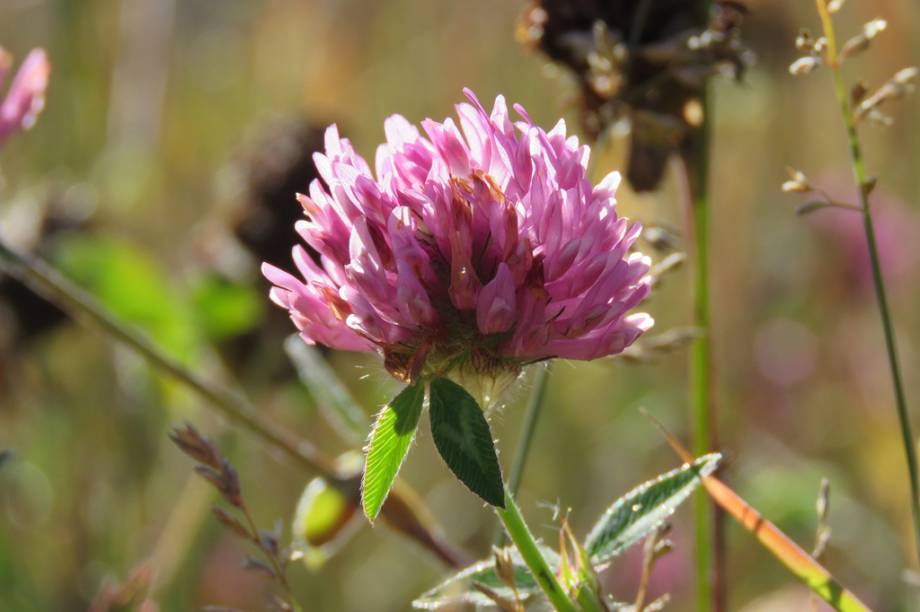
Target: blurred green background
[(154, 111)]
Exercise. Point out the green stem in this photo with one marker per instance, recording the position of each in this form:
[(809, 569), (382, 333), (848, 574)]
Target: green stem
[(707, 521), (702, 417), (699, 398), (588, 600), (517, 529), (529, 427), (864, 187)]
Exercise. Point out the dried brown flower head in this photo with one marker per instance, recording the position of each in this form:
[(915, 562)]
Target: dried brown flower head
[(276, 166), (644, 61)]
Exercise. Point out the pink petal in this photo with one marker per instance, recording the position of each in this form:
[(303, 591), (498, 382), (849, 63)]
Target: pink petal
[(495, 310)]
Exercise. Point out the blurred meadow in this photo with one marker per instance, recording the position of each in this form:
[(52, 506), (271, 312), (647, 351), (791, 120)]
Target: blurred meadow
[(164, 127)]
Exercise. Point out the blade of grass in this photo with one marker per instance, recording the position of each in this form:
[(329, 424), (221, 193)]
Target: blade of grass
[(814, 575)]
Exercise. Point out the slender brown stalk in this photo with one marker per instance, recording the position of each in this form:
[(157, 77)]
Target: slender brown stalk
[(279, 571)]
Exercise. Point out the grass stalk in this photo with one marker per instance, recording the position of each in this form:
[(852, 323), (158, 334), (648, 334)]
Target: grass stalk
[(708, 527), (802, 565), (708, 557), (864, 187)]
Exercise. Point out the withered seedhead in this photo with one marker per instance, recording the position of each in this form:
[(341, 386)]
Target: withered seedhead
[(645, 61), (275, 167), (195, 445), (225, 480)]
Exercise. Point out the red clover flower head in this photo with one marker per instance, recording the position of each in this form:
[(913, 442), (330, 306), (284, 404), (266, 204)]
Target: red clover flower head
[(479, 247)]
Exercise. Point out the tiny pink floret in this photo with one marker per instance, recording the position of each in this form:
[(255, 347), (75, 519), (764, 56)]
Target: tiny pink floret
[(481, 241), (26, 97)]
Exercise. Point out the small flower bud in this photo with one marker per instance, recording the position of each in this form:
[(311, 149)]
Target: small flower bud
[(824, 500), (857, 44), (797, 183), (662, 548), (504, 565), (875, 27), (804, 65), (820, 45), (860, 42), (897, 86), (834, 6), (804, 41), (906, 76), (877, 116), (858, 92)]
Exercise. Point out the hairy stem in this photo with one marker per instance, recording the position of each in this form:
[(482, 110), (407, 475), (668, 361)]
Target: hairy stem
[(403, 508), (520, 534), (864, 187)]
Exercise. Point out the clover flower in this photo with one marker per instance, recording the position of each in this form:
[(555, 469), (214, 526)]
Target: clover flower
[(477, 248), (26, 97)]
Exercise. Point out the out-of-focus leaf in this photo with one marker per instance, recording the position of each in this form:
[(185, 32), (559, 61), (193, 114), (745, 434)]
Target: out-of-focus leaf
[(130, 284), (389, 442), (640, 511), (333, 399), (223, 309), (461, 587), (5, 456), (462, 436)]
